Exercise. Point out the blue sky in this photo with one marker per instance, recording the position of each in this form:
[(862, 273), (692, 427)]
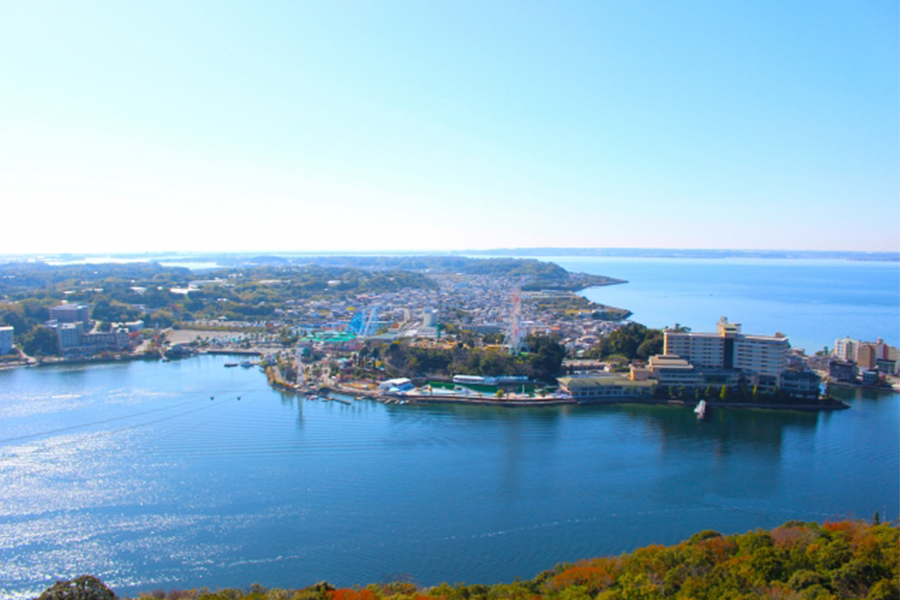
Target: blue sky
[(288, 126)]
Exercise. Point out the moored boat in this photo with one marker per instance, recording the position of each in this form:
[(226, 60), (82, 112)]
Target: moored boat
[(700, 409)]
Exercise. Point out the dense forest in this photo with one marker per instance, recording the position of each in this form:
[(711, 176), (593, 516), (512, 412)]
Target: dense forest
[(510, 267), (634, 341), (797, 561)]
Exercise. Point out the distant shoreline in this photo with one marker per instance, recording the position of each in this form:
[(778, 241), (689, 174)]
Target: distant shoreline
[(209, 260), (686, 253)]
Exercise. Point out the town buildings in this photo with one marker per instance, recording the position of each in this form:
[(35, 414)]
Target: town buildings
[(867, 355), (75, 336), (73, 339), (843, 371), (609, 386)]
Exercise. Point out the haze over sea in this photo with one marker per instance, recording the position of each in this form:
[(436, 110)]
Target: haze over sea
[(131, 471), (812, 301)]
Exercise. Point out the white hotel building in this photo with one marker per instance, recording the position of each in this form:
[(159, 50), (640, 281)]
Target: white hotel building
[(762, 356)]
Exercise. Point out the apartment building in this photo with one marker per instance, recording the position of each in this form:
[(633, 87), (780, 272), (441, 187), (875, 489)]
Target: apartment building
[(728, 348), (71, 313)]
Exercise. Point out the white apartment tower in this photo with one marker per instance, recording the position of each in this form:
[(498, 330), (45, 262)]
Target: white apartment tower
[(845, 349)]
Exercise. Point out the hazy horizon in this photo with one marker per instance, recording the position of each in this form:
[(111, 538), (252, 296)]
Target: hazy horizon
[(547, 252)]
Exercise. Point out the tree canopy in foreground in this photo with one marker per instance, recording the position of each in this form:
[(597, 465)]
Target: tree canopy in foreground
[(797, 561)]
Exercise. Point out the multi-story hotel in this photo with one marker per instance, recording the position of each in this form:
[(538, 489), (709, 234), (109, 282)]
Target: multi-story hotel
[(71, 313), (761, 355)]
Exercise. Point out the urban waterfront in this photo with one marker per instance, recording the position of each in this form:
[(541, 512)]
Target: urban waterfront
[(184, 474)]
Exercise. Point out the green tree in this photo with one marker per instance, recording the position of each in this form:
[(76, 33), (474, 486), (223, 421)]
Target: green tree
[(40, 341), (651, 346), (546, 357)]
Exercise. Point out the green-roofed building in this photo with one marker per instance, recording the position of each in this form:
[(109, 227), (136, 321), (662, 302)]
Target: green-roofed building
[(607, 387)]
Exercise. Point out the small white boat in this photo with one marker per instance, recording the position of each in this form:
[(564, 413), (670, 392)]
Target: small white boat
[(700, 409)]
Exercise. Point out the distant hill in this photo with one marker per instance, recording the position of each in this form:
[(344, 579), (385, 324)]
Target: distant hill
[(684, 253)]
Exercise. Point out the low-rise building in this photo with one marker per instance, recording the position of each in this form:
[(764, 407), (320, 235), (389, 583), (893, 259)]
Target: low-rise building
[(609, 387), (131, 325), (672, 370), (843, 371), (99, 341), (886, 365), (74, 340), (801, 384), (871, 378)]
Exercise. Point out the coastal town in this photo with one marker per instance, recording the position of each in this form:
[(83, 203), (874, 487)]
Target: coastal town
[(514, 333)]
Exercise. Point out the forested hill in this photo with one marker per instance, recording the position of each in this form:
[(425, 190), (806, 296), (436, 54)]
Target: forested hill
[(526, 268), (797, 561)]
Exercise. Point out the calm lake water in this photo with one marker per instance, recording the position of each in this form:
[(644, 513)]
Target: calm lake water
[(131, 472)]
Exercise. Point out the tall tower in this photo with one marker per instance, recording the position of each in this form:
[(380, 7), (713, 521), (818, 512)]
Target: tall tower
[(514, 334)]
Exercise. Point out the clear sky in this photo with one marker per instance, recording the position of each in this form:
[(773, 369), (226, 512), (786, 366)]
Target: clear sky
[(291, 126)]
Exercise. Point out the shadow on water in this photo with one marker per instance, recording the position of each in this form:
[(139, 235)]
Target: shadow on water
[(724, 430), (475, 412), (853, 394), (764, 430), (294, 400)]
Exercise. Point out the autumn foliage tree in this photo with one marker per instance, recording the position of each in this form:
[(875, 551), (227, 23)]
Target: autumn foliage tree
[(797, 561)]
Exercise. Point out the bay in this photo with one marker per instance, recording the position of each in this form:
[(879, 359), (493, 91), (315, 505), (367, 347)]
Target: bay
[(133, 473)]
